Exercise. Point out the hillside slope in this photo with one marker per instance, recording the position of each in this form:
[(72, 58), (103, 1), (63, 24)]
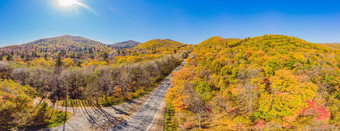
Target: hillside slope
[(267, 82)]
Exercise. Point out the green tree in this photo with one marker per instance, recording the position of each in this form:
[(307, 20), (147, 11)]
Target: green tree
[(105, 56), (9, 57)]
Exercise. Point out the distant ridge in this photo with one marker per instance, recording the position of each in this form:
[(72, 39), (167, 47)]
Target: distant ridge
[(166, 46), (218, 42), (66, 38), (126, 44), (332, 45), (160, 43), (67, 45)]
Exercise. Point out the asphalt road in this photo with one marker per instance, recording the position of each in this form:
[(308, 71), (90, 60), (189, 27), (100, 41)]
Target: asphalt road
[(144, 118)]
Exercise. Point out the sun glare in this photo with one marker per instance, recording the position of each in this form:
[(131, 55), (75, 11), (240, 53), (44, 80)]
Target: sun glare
[(67, 3), (74, 3)]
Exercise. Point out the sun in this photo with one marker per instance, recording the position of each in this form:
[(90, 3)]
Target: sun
[(74, 3), (67, 3)]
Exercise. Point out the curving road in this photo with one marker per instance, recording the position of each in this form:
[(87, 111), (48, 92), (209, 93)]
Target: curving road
[(143, 119)]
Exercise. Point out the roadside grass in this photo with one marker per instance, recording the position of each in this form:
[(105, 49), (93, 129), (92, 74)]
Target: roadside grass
[(58, 118), (170, 123), (45, 117)]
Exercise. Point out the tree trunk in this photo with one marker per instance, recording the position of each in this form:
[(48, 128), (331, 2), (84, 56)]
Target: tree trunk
[(39, 103), (65, 114), (251, 104), (65, 109), (200, 119)]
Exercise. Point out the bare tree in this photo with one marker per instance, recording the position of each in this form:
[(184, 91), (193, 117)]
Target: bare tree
[(125, 79), (245, 75), (57, 90), (102, 85), (250, 89), (152, 68), (194, 101), (74, 79), (20, 75), (5, 70), (144, 78), (38, 78)]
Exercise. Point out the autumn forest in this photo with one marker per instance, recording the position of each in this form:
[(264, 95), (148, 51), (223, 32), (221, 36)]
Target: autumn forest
[(273, 82)]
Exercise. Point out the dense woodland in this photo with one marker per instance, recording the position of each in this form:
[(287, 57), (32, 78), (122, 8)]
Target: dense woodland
[(268, 82), (57, 79)]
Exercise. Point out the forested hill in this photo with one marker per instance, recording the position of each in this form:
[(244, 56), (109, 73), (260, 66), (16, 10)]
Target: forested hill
[(150, 50), (67, 46), (268, 82), (79, 51), (126, 44), (218, 42), (160, 45)]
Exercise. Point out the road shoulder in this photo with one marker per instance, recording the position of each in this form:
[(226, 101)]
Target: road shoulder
[(158, 123)]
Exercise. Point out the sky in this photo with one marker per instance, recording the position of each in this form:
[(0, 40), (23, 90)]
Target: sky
[(187, 21)]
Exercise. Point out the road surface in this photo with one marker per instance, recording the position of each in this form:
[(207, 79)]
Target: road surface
[(90, 118), (143, 119)]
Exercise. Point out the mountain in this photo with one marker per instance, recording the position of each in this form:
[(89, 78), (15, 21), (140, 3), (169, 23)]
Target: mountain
[(67, 46), (126, 44), (269, 82), (159, 44), (332, 45), (218, 42), (165, 46)]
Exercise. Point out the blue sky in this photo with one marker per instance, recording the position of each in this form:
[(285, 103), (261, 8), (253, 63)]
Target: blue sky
[(187, 21)]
